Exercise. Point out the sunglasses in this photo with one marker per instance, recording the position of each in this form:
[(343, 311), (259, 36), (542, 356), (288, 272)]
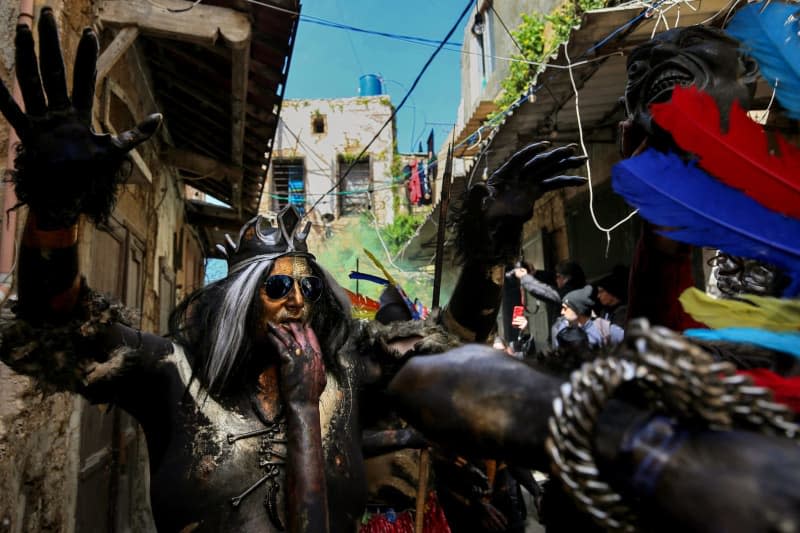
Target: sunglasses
[(280, 285)]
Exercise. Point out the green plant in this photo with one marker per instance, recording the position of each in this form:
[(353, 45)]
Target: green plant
[(399, 232), (349, 158), (538, 37)]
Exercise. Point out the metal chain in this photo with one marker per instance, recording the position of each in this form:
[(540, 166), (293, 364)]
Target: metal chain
[(676, 376)]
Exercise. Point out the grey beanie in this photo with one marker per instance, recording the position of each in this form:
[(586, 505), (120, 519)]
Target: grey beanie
[(579, 300)]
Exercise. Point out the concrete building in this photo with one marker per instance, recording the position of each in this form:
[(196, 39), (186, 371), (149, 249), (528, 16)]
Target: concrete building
[(66, 465), (317, 141)]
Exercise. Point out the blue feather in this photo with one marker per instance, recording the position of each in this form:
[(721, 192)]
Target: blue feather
[(784, 341), (368, 277), (702, 211), (772, 38)]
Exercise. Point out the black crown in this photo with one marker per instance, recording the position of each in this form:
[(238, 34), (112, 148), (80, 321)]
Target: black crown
[(259, 240)]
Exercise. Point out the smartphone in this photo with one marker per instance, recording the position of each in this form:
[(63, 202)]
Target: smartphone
[(518, 310)]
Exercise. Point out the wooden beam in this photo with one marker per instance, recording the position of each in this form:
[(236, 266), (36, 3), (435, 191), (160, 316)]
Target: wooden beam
[(209, 215), (122, 41), (239, 83), (202, 165), (102, 122), (202, 24)]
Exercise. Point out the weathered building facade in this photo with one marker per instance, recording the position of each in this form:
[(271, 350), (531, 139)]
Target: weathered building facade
[(66, 465), (315, 158)]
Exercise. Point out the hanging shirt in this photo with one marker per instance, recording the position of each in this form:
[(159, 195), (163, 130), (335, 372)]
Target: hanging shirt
[(414, 185)]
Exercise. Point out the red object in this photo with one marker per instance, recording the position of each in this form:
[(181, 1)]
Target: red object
[(414, 184), (518, 310), (362, 302), (434, 521), (743, 157), (784, 390), (658, 277)]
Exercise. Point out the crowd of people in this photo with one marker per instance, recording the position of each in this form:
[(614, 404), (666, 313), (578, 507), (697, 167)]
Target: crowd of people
[(589, 315)]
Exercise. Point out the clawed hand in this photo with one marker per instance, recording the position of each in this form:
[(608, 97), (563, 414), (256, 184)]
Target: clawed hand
[(64, 168), (527, 175), (302, 373)]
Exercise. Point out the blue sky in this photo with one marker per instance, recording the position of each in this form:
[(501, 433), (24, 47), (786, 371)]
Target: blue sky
[(328, 62)]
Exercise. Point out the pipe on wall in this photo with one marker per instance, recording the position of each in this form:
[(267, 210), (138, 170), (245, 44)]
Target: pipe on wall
[(9, 229)]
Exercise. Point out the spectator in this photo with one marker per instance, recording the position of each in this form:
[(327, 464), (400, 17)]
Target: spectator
[(576, 309), (519, 346), (543, 285), (612, 295)]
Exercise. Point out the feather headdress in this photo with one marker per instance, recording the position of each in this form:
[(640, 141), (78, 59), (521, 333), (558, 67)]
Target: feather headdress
[(748, 311), (784, 341), (771, 35), (698, 209), (740, 157)]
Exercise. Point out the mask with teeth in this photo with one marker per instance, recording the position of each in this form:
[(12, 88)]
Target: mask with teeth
[(699, 55)]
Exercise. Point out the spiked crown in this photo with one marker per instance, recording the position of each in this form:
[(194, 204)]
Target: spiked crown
[(259, 240)]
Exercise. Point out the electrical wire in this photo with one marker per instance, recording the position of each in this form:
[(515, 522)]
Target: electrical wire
[(402, 102), (349, 39), (407, 38), (607, 231), (511, 35), (321, 22), (320, 159)]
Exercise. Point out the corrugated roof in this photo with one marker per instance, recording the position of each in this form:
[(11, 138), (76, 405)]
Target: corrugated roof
[(600, 83), (195, 83)]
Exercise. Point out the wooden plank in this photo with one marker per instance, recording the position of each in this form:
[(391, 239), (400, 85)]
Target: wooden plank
[(202, 165), (239, 86), (121, 43), (202, 24), (195, 138), (102, 122)]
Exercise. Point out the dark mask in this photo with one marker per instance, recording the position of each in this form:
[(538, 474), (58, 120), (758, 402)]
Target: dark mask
[(703, 56)]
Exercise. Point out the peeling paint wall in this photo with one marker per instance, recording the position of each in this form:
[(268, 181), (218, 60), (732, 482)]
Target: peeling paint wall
[(41, 436), (350, 123), (498, 44)]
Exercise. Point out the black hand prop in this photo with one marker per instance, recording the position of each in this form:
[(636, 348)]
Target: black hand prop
[(63, 167), (527, 175)]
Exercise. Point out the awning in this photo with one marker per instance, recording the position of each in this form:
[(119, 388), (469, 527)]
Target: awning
[(218, 71), (603, 38)]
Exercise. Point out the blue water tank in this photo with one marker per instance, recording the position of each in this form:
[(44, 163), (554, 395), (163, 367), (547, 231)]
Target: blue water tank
[(370, 85)]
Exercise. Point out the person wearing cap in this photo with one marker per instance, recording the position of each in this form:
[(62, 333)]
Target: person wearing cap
[(612, 295), (576, 311), (568, 276)]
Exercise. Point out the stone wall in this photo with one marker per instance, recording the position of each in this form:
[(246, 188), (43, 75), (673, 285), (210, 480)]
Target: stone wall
[(349, 124), (41, 434)]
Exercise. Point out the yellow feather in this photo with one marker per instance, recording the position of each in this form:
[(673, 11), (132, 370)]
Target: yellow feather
[(773, 314), (380, 267)]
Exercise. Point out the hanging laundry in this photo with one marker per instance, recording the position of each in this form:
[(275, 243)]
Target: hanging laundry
[(425, 185), (414, 186)]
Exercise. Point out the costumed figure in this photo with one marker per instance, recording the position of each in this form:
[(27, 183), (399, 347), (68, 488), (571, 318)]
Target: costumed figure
[(252, 416)]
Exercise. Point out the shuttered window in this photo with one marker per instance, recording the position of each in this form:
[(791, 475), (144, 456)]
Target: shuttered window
[(288, 184), (354, 188)]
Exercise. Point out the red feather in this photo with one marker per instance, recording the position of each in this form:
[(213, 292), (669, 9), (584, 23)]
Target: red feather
[(740, 157)]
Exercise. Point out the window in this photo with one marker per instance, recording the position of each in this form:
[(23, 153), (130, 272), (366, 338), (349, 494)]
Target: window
[(318, 123), (354, 189), (288, 184)]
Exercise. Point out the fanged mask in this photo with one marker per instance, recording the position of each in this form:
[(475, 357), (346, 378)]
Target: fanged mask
[(698, 55)]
